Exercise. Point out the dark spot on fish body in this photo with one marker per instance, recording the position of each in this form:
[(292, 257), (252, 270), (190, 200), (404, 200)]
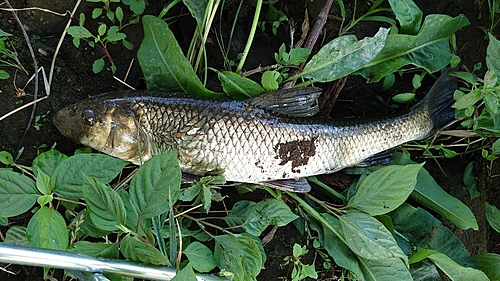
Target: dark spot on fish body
[(297, 152)]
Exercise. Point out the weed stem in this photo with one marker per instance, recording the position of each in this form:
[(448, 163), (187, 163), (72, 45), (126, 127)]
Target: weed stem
[(250, 36)]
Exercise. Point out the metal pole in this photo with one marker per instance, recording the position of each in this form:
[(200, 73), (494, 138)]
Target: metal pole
[(39, 257)]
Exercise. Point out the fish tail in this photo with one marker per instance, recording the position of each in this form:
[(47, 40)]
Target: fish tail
[(439, 99)]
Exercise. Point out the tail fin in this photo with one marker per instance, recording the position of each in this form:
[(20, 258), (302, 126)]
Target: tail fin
[(439, 100)]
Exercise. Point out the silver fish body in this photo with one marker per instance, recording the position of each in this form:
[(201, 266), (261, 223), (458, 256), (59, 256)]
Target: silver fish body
[(246, 141)]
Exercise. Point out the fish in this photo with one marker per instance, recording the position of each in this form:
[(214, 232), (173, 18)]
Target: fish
[(273, 139)]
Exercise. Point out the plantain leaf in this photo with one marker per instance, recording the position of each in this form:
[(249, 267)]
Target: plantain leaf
[(197, 9), (385, 189), (428, 49), (163, 64), (408, 14), (343, 56)]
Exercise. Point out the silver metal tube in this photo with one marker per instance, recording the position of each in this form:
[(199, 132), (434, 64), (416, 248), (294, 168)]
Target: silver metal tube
[(39, 257)]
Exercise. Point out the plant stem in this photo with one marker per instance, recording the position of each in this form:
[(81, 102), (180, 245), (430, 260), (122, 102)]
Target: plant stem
[(328, 189), (250, 36)]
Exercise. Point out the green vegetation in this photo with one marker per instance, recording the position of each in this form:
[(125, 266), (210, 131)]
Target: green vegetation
[(371, 232)]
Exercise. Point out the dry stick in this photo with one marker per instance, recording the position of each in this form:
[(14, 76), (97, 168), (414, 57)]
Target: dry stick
[(35, 65), (313, 37)]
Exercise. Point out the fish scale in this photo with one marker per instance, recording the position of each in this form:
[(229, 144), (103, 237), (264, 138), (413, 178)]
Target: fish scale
[(254, 141)]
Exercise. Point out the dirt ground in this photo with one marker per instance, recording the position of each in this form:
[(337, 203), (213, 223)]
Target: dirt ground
[(74, 81)]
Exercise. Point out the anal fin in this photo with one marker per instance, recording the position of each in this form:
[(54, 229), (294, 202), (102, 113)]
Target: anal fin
[(300, 185)]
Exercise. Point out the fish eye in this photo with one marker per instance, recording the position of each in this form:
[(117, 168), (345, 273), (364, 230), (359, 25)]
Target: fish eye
[(88, 117)]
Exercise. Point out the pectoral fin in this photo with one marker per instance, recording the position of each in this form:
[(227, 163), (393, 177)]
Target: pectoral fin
[(294, 185)]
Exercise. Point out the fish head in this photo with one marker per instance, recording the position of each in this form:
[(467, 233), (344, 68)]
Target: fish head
[(107, 127)]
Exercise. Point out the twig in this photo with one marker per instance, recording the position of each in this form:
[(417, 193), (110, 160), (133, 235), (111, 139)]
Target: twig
[(259, 69), (35, 65), (313, 37), (35, 8)]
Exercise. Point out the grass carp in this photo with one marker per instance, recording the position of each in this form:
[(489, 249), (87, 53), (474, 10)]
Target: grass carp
[(272, 139)]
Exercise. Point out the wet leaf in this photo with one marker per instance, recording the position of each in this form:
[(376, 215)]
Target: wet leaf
[(105, 206), (200, 256), (343, 56), (237, 86), (408, 14), (428, 49), (18, 193), (163, 63), (67, 178), (266, 213), (449, 267), (156, 185), (369, 239), (489, 263), (493, 216), (135, 250), (95, 249), (47, 229), (385, 189)]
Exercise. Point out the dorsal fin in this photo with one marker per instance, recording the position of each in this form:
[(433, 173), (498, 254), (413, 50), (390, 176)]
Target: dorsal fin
[(300, 102)]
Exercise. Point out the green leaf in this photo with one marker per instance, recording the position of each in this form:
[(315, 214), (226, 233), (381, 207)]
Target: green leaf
[(4, 221), (97, 12), (45, 199), (185, 274), (16, 234), (18, 193), (449, 267), (114, 36), (238, 254), (197, 10), (135, 250), (87, 227), (495, 148), (493, 54), (343, 56), (119, 14), (43, 182), (105, 206), (385, 269), (416, 228), (163, 64), (493, 216), (489, 263), (4, 34), (385, 189), (368, 238), (155, 186), (137, 6), (237, 86), (200, 257), (139, 226), (95, 249), (266, 213), (67, 179), (4, 74), (270, 80), (239, 213), (404, 98), (79, 32), (408, 14), (470, 180), (98, 65), (429, 194), (47, 229), (47, 162), (6, 158), (388, 81), (428, 49)]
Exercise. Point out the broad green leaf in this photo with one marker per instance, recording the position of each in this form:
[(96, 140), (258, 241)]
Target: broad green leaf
[(430, 195), (237, 86), (428, 49), (4, 74), (197, 10), (105, 206), (266, 213), (79, 32), (493, 216), (163, 64), (43, 182), (135, 250), (18, 193), (47, 229), (67, 178), (238, 254), (155, 186), (470, 180), (385, 189), (489, 263), (87, 227), (408, 14), (200, 256), (239, 213), (48, 161), (493, 54), (416, 228), (16, 234), (141, 227), (368, 238), (385, 269), (137, 6), (95, 249), (455, 271), (185, 274), (269, 80), (4, 221), (343, 56)]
